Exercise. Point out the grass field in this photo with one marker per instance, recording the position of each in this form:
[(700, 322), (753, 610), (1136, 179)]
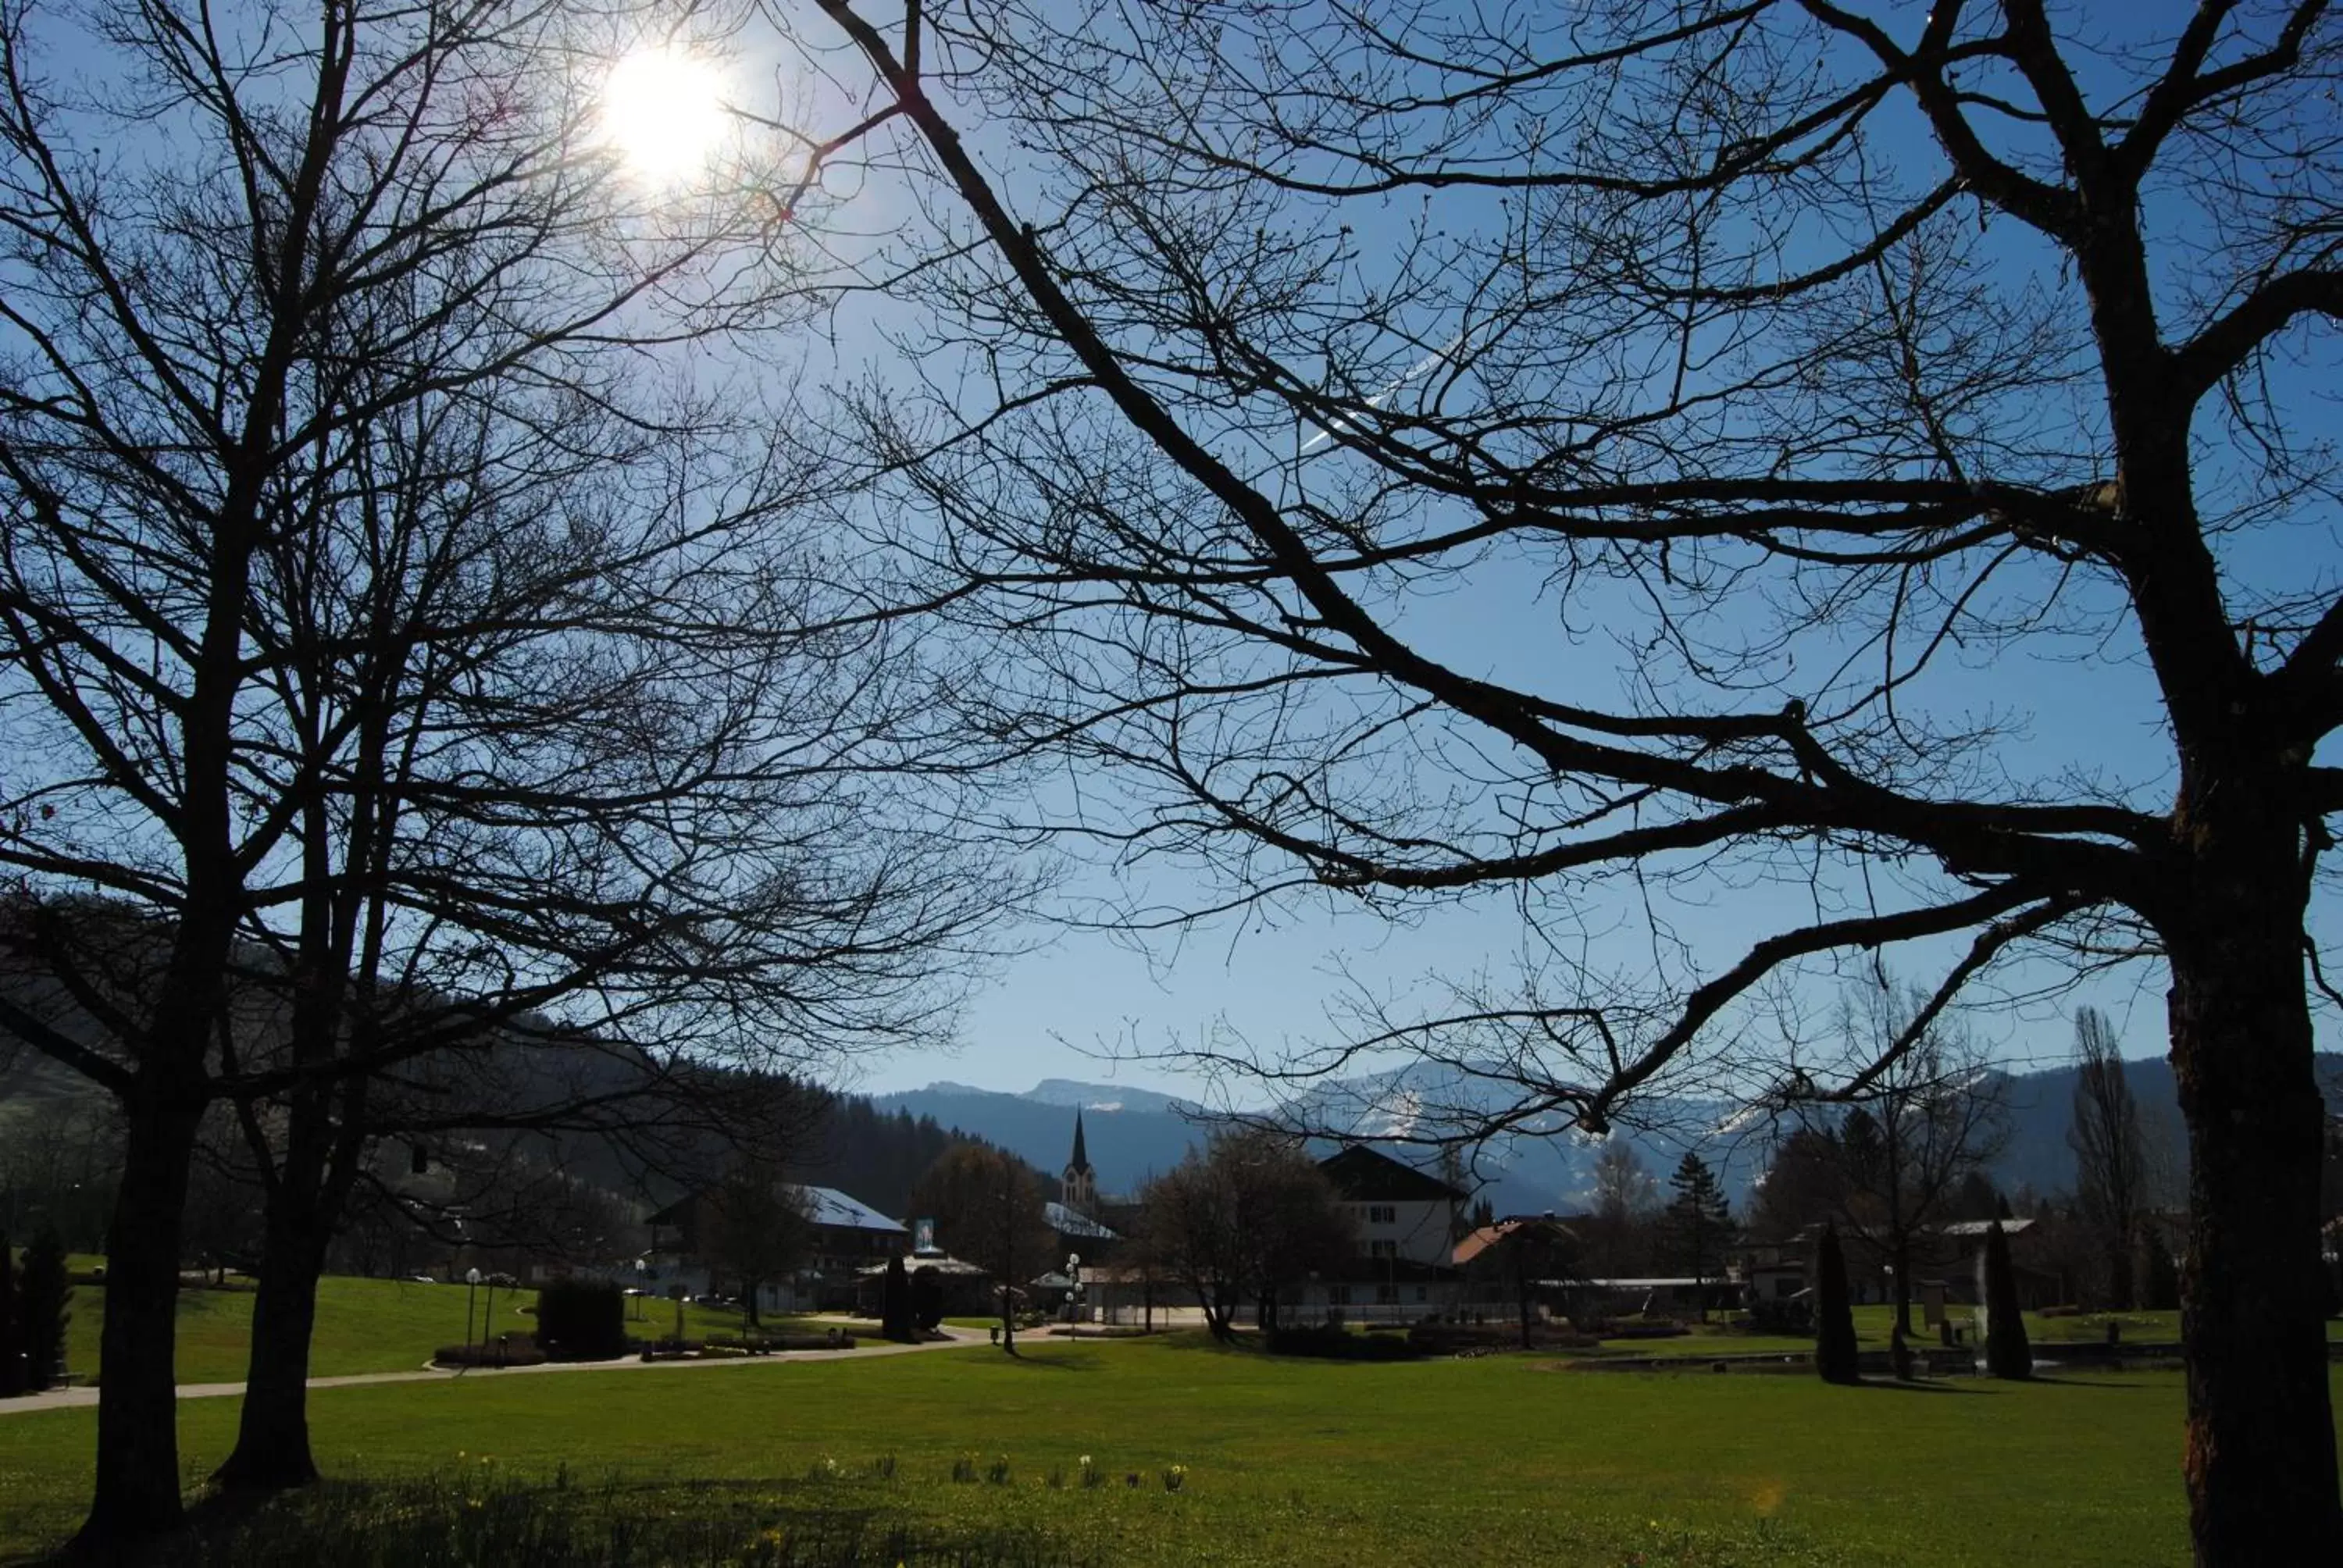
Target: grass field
[(393, 1325), (1497, 1459), (363, 1326)]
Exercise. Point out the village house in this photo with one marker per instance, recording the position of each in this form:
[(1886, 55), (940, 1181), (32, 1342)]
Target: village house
[(848, 1235)]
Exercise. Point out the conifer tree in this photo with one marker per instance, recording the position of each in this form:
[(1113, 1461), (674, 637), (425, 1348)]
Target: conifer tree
[(12, 1351), (42, 1297), (895, 1311), (1834, 1349), (2006, 1352), (1698, 1222)]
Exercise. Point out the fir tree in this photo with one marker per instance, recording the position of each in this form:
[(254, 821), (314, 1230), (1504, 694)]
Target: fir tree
[(2006, 1352), (1835, 1350), (1698, 1222)]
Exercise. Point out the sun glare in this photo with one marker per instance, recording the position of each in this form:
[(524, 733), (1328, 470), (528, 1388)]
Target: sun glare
[(662, 111)]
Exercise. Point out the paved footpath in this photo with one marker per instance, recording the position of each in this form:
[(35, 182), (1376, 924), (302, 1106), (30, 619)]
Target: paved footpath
[(81, 1397)]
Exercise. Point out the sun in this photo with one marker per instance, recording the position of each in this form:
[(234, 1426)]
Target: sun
[(663, 112)]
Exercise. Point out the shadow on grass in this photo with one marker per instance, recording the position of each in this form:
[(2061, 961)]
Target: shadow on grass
[(1916, 1385), (1057, 1359), (838, 1517)]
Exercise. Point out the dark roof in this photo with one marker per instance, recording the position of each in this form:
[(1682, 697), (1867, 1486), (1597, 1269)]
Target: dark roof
[(824, 1206), (1359, 1173), (1081, 1161)]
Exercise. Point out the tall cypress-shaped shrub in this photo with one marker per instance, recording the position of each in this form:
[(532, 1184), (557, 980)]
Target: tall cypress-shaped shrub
[(895, 1309), (11, 1349), (926, 1299), (2006, 1352), (1835, 1350), (42, 1297), (2159, 1276)]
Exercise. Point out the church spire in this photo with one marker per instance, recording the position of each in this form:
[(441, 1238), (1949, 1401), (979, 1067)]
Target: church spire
[(1079, 1188)]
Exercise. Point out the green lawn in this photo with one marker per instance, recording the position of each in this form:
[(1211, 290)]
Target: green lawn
[(1495, 1459), (363, 1325)]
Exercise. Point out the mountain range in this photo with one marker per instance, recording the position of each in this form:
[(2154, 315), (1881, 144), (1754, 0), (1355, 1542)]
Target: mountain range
[(1132, 1133)]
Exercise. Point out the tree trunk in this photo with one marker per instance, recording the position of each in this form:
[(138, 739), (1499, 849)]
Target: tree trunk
[(272, 1437), (2260, 1457), (1904, 1284), (136, 1491)]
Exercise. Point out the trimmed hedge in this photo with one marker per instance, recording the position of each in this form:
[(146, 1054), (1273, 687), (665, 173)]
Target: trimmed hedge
[(516, 1350), (1332, 1343), (581, 1320)]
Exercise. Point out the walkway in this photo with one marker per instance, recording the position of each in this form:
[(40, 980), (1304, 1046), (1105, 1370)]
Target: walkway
[(82, 1398)]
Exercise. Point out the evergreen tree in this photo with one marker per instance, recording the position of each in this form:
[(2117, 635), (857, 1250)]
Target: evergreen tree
[(41, 1296), (1698, 1222), (1834, 1350), (11, 1353), (895, 1309), (2159, 1275), (2006, 1352)]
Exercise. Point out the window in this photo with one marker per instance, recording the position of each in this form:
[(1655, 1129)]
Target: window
[(1424, 1292), (1338, 1295), (1385, 1249), (1382, 1214), (1387, 1295)]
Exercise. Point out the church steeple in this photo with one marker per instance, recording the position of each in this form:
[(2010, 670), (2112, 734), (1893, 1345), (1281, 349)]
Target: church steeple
[(1079, 1187)]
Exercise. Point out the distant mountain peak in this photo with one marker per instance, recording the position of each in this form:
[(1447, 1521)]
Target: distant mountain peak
[(1104, 1098)]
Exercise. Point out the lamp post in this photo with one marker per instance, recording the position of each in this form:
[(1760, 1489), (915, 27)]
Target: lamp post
[(471, 1295)]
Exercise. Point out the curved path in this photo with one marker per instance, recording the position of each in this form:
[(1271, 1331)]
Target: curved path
[(86, 1397)]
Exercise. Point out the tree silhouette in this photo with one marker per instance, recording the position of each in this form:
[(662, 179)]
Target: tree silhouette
[(1289, 370), (1836, 1355), (1698, 1223), (2006, 1352)]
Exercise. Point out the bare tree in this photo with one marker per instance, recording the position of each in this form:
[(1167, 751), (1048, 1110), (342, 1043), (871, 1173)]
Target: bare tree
[(987, 1206), (756, 1228), (1626, 1200), (399, 642), (1247, 1217), (2110, 1153), (1778, 358), (1927, 1124)]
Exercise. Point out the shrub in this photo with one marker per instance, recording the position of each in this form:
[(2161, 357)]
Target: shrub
[(42, 1297), (2159, 1276), (1452, 1339), (507, 1351), (1340, 1344), (1836, 1356), (895, 1311), (581, 1320), (926, 1299), (2006, 1352)]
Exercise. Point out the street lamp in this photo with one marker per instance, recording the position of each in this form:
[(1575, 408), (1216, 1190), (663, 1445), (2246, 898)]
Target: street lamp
[(471, 1294)]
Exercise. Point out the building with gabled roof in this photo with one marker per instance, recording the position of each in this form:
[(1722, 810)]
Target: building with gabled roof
[(847, 1234)]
